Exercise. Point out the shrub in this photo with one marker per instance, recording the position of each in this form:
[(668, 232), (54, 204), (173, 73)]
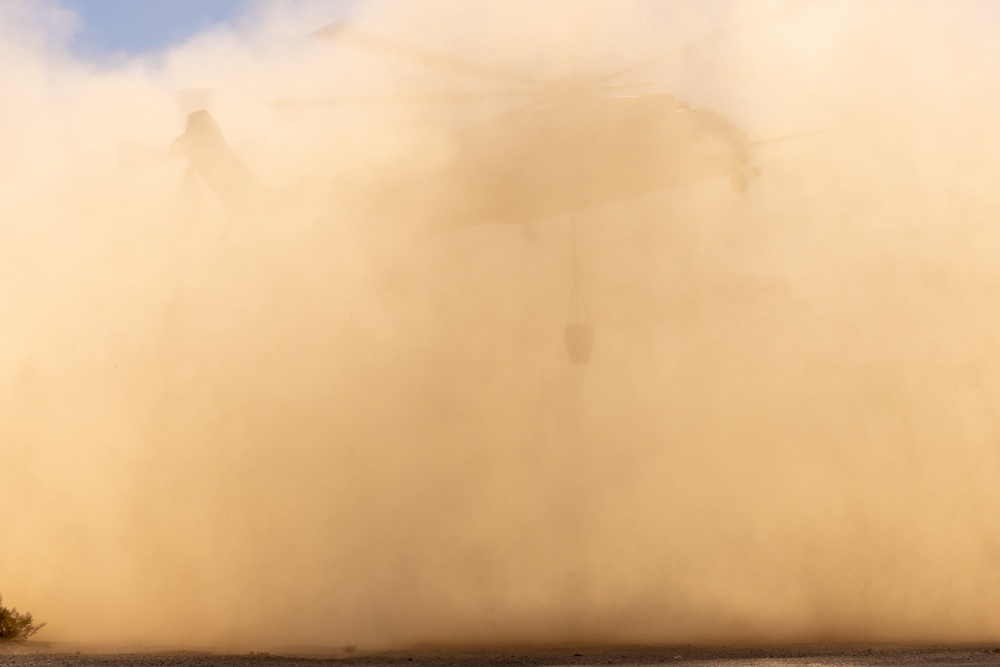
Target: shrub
[(15, 625)]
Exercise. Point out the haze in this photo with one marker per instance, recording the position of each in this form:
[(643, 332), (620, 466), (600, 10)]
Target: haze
[(326, 426)]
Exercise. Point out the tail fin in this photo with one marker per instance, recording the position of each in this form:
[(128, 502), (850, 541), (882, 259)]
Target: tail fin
[(237, 187)]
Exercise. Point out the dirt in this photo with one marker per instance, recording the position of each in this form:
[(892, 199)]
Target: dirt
[(29, 654)]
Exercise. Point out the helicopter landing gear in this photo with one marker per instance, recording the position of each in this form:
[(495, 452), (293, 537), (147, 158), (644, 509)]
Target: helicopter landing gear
[(739, 182)]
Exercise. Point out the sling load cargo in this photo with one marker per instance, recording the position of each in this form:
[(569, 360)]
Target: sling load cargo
[(579, 333)]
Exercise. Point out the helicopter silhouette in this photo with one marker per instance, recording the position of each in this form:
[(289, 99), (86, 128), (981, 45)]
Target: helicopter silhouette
[(577, 143)]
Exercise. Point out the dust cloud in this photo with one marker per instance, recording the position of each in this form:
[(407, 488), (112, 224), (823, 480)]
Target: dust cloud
[(333, 423)]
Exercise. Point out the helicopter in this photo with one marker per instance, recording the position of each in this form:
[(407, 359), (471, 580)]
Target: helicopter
[(578, 143)]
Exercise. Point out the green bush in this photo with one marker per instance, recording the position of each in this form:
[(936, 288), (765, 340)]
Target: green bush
[(15, 625)]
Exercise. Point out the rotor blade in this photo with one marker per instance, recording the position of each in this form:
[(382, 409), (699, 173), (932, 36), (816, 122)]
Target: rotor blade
[(339, 29), (786, 137), (627, 86), (672, 53), (396, 99), (708, 38)]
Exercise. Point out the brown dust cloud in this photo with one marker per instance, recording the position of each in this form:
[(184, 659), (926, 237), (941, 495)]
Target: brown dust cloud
[(329, 422)]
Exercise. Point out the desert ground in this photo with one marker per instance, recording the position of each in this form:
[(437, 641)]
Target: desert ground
[(42, 653)]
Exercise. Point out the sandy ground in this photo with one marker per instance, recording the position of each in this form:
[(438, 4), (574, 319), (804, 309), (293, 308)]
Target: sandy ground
[(41, 653)]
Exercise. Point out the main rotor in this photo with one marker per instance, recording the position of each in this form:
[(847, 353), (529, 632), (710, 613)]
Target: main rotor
[(575, 90)]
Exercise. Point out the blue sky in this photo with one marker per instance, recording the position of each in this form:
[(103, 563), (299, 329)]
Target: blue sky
[(136, 26)]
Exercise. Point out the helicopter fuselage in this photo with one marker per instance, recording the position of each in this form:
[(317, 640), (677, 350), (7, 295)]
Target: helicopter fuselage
[(531, 163), (538, 162)]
